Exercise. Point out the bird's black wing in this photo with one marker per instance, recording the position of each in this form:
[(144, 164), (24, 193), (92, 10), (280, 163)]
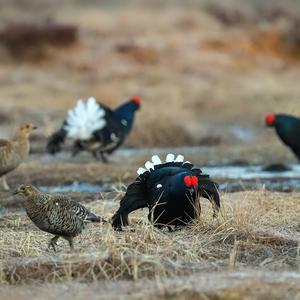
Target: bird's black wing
[(113, 134), (209, 190), (288, 129), (134, 199)]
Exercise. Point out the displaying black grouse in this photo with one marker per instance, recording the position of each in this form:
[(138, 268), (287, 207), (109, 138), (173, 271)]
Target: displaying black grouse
[(170, 190), (287, 128), (95, 128)]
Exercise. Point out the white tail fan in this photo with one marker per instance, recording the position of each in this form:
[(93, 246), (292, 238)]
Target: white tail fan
[(149, 165), (156, 160), (141, 171), (179, 158), (170, 157), (84, 119)]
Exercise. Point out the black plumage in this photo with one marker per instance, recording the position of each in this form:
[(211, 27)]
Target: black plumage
[(95, 127), (170, 190), (288, 130)]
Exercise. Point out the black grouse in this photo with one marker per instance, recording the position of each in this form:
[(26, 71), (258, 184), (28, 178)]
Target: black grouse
[(170, 190), (95, 128), (287, 128)]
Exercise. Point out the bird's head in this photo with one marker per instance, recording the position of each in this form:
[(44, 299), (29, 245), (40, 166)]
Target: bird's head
[(26, 129), (191, 183), (26, 190), (136, 101), (270, 120), (183, 184)]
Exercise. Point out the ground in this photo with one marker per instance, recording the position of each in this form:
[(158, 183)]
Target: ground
[(205, 85)]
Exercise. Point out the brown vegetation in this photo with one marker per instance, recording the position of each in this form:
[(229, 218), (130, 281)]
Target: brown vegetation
[(201, 81), (30, 40)]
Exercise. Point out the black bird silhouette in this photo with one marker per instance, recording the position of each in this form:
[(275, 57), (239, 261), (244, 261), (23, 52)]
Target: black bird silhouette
[(95, 128), (287, 128), (170, 190)]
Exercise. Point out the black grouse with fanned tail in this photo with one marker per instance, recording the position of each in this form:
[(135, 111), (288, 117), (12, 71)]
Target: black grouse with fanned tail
[(287, 128), (171, 190), (95, 128)]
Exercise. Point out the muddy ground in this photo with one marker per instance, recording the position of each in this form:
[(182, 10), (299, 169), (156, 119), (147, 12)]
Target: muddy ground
[(207, 82)]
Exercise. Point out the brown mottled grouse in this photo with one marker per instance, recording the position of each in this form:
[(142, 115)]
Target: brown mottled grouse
[(13, 153), (56, 214)]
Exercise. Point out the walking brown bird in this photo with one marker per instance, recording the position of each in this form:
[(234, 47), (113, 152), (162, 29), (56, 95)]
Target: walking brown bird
[(13, 153), (57, 214)]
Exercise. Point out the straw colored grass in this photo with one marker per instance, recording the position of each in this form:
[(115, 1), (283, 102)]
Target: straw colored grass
[(255, 230)]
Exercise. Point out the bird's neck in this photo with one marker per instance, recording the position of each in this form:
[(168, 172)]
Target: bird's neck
[(34, 199), (22, 144), (126, 111)]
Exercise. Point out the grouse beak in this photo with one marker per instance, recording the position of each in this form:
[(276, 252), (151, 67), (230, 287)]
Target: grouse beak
[(193, 189), (16, 192)]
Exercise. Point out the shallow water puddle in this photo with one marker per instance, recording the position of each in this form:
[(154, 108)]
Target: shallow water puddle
[(73, 188), (250, 172), (230, 179), (240, 178)]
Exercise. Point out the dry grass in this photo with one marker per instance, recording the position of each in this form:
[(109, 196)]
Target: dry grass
[(255, 230)]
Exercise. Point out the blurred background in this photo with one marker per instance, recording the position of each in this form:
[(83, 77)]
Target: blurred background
[(208, 70)]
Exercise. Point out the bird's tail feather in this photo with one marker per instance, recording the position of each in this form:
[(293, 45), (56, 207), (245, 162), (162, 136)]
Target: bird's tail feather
[(84, 119), (94, 218), (170, 160), (56, 141)]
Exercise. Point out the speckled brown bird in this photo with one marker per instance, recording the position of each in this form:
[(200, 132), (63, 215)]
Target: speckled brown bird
[(13, 153), (56, 214)]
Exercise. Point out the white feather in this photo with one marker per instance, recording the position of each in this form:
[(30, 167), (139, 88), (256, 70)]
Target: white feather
[(187, 162), (141, 171), (179, 158), (84, 119), (156, 160), (170, 157), (149, 165)]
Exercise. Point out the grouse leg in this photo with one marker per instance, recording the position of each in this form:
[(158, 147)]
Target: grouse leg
[(103, 157), (4, 184), (52, 242), (70, 240), (95, 154), (76, 148), (210, 192), (171, 229)]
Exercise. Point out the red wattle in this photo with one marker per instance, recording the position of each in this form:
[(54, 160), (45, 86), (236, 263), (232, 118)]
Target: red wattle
[(187, 181), (194, 181), (270, 119), (137, 100)]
